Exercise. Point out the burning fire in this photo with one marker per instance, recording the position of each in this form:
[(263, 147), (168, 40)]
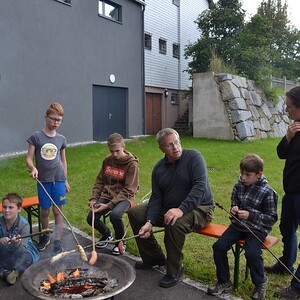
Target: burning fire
[(61, 276)]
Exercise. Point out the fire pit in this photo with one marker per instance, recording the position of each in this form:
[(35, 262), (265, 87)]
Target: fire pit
[(120, 273)]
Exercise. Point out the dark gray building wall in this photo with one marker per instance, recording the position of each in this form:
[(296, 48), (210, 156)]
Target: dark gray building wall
[(51, 51)]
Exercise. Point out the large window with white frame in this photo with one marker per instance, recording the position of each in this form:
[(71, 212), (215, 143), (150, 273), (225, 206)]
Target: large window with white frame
[(110, 10)]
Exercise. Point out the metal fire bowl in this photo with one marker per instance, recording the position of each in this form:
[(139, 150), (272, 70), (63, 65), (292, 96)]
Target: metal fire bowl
[(116, 267)]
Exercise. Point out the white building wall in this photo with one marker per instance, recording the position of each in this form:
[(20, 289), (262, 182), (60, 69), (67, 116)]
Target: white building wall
[(162, 21)]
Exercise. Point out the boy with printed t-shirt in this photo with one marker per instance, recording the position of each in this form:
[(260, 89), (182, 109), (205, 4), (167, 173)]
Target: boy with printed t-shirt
[(48, 148)]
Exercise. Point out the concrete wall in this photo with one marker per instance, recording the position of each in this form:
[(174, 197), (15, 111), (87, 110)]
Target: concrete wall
[(210, 119), (229, 107), (51, 51)]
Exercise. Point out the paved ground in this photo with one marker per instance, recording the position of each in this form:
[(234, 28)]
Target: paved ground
[(145, 285)]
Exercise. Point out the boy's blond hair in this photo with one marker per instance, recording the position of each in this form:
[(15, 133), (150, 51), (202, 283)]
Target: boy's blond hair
[(252, 163), (55, 107), (115, 139), (13, 198)]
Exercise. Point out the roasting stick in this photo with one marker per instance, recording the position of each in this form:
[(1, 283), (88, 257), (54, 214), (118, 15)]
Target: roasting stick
[(94, 255), (251, 231), (61, 255), (48, 231), (79, 247), (121, 243)]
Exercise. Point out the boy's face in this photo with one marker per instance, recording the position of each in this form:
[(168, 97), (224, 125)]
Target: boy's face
[(117, 151), (10, 210), (249, 178), (53, 121)]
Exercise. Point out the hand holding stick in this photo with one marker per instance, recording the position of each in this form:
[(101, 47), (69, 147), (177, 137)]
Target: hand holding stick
[(94, 255)]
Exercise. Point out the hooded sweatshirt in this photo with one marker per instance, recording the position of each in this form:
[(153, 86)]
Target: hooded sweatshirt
[(118, 179), (261, 202)]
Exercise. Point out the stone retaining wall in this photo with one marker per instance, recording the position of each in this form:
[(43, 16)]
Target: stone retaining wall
[(248, 113)]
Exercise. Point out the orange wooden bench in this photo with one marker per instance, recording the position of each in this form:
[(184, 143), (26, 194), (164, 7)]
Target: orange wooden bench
[(216, 230), (32, 207)]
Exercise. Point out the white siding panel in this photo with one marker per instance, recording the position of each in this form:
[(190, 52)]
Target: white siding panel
[(162, 21)]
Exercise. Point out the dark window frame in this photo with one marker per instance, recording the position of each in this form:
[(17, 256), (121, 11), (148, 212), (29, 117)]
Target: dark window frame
[(162, 46), (174, 98), (176, 50), (148, 41)]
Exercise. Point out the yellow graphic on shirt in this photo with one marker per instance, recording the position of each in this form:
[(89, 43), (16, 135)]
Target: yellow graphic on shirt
[(49, 151)]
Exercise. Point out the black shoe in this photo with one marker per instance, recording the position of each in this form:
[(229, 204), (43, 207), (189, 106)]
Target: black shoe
[(44, 242), (171, 280), (276, 269), (144, 266), (57, 248), (103, 242), (219, 288)]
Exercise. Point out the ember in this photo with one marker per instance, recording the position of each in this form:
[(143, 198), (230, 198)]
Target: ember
[(77, 283)]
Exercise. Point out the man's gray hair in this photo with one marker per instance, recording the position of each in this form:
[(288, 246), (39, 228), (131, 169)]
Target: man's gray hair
[(164, 132)]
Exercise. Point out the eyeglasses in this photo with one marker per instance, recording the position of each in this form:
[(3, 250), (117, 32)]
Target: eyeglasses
[(55, 119), (171, 144)]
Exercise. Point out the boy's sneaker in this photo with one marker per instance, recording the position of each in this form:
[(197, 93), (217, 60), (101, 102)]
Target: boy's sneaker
[(10, 276), (219, 288), (259, 292), (57, 248), (116, 250), (102, 243), (44, 242)]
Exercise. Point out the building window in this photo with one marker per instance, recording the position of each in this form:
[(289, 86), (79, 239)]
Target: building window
[(174, 99), (64, 1), (176, 2), (176, 50), (110, 10), (148, 41), (162, 46)]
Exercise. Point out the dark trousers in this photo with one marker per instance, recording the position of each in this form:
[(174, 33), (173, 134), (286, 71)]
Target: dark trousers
[(289, 222), (17, 260), (253, 253), (174, 237), (115, 218)]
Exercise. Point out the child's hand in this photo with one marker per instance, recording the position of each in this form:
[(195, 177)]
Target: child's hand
[(5, 240), (16, 241), (243, 214), (34, 173), (234, 210)]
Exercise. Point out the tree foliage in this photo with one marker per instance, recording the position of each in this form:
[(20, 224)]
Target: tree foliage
[(265, 45)]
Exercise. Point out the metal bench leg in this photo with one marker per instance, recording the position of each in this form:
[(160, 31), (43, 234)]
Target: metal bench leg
[(236, 252)]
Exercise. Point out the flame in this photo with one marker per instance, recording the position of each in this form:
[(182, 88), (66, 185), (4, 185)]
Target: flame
[(76, 273), (60, 276), (47, 285), (52, 280)]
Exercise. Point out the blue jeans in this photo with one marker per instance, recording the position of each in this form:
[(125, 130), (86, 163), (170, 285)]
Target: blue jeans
[(253, 253), (289, 222)]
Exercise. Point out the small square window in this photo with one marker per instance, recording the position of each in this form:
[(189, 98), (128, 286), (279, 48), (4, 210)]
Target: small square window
[(162, 46), (174, 99), (148, 41), (176, 49)]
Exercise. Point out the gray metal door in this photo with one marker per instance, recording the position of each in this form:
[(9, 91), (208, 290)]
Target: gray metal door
[(109, 112)]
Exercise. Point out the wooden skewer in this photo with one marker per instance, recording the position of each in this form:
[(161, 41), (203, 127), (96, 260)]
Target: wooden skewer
[(47, 231), (94, 255)]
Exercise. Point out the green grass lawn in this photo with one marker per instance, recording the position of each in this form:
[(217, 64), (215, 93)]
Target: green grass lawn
[(222, 159)]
